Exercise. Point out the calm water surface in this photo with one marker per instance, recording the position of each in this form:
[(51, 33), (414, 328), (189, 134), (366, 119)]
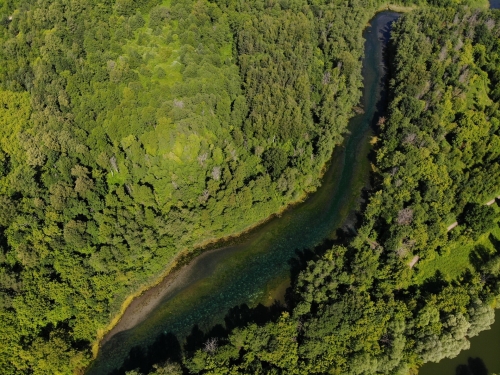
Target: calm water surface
[(483, 357), (247, 273)]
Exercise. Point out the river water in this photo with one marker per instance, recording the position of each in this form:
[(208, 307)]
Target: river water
[(257, 270)]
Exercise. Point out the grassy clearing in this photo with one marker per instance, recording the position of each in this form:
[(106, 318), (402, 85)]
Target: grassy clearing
[(457, 258)]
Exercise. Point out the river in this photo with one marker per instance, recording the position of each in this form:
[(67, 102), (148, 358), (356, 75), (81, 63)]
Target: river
[(257, 270)]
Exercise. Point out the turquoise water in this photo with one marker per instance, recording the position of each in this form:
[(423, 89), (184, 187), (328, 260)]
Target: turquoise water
[(247, 273)]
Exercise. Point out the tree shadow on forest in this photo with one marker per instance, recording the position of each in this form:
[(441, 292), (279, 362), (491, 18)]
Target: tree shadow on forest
[(168, 346), (434, 284), (495, 242), (474, 366), (479, 256)]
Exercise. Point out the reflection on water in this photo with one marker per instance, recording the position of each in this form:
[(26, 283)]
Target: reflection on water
[(247, 274), (474, 366), (483, 355)]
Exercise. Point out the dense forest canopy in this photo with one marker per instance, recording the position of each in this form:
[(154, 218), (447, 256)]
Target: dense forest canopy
[(361, 308), (132, 130)]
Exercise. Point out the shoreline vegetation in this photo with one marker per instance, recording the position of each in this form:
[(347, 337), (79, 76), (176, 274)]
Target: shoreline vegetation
[(187, 255), (438, 156), (137, 125), (133, 130)]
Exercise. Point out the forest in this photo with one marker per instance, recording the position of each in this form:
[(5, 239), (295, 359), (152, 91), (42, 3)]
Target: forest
[(134, 130), (360, 308)]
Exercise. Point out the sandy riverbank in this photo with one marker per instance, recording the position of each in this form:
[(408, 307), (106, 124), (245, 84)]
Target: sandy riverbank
[(154, 292), (134, 309), (140, 308)]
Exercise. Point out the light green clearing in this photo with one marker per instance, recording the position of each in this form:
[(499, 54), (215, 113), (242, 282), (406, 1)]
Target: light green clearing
[(456, 259)]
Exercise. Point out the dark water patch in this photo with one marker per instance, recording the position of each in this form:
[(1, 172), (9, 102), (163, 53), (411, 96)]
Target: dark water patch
[(234, 285), (481, 359), (474, 366)]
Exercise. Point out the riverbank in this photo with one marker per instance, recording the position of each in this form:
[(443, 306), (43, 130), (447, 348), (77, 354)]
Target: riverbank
[(151, 294), (151, 298), (184, 257)]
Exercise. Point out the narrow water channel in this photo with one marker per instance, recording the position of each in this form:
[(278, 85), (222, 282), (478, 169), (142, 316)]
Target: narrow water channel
[(256, 271)]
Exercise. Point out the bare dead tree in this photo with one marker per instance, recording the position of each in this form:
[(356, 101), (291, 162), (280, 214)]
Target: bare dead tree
[(129, 189), (386, 339), (211, 345), (405, 216), (178, 103), (464, 76), (202, 158), (234, 154), (410, 138), (443, 54), (204, 196), (490, 24), (326, 78), (112, 161), (216, 173)]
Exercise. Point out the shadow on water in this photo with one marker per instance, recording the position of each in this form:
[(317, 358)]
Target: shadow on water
[(167, 346), (381, 107), (474, 366), (235, 286)]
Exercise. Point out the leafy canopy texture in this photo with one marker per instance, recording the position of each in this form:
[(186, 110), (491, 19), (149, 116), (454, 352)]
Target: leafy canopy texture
[(132, 130), (360, 308)]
